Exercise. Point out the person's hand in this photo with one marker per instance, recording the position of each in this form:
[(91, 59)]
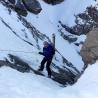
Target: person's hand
[(40, 53)]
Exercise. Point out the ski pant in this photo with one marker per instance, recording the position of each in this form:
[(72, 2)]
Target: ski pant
[(48, 63)]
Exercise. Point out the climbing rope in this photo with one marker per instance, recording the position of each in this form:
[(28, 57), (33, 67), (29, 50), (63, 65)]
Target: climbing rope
[(27, 52)]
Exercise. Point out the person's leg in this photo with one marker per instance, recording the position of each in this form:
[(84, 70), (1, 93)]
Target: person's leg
[(42, 64), (48, 68)]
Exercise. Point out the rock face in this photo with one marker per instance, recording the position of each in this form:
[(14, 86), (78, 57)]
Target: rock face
[(89, 51), (84, 22), (53, 2), (23, 6), (32, 6), (20, 9)]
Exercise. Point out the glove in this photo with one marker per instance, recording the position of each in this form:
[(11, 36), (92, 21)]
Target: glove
[(40, 53)]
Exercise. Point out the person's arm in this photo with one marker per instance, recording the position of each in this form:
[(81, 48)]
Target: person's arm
[(41, 53)]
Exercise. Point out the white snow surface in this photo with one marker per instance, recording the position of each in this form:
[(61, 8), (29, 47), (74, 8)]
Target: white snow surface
[(14, 84)]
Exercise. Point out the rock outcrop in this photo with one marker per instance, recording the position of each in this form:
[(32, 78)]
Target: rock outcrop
[(89, 51), (23, 6), (20, 9), (32, 6), (84, 22), (53, 2)]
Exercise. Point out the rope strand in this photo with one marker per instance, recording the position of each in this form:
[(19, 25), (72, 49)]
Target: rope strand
[(3, 50)]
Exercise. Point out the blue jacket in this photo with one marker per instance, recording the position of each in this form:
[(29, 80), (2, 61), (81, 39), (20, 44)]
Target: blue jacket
[(48, 52)]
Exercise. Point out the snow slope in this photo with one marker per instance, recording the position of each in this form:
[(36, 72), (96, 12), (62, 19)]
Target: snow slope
[(14, 84)]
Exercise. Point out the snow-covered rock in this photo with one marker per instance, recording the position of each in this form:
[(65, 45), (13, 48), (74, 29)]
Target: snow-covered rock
[(29, 42), (21, 39)]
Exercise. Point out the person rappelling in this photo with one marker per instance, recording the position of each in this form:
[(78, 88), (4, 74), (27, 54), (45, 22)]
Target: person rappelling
[(48, 53)]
